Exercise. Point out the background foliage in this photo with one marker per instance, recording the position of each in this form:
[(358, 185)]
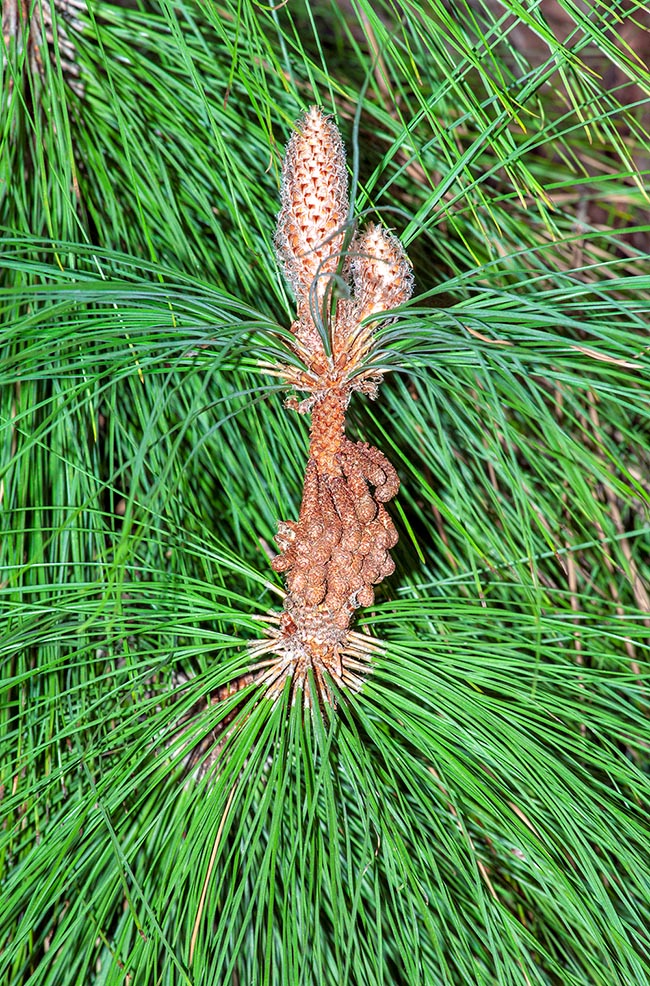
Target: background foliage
[(477, 814)]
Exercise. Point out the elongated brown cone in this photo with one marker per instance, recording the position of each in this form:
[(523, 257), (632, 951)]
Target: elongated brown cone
[(311, 226), (338, 549)]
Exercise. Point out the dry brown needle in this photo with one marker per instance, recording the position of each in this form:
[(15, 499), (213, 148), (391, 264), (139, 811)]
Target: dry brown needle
[(339, 548)]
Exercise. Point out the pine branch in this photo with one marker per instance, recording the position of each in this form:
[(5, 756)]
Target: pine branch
[(339, 547)]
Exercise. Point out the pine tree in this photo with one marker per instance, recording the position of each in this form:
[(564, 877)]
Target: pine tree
[(452, 787)]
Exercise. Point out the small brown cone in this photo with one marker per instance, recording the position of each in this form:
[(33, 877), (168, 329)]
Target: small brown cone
[(381, 272)]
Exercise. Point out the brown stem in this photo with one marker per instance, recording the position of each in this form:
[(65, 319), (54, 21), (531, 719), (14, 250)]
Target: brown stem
[(327, 435)]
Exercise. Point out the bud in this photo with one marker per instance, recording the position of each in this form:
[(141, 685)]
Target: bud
[(381, 272), (311, 224)]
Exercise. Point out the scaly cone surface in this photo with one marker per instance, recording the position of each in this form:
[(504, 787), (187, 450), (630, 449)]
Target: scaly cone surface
[(338, 549)]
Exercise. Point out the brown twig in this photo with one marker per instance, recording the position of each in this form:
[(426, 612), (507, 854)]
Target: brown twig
[(34, 27)]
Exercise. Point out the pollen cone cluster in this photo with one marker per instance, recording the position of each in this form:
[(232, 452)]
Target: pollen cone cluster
[(338, 549)]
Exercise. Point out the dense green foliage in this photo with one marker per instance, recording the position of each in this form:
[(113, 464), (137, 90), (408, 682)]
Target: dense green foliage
[(478, 813)]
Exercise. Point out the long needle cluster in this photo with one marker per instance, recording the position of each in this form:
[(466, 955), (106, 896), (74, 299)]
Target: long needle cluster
[(339, 548)]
